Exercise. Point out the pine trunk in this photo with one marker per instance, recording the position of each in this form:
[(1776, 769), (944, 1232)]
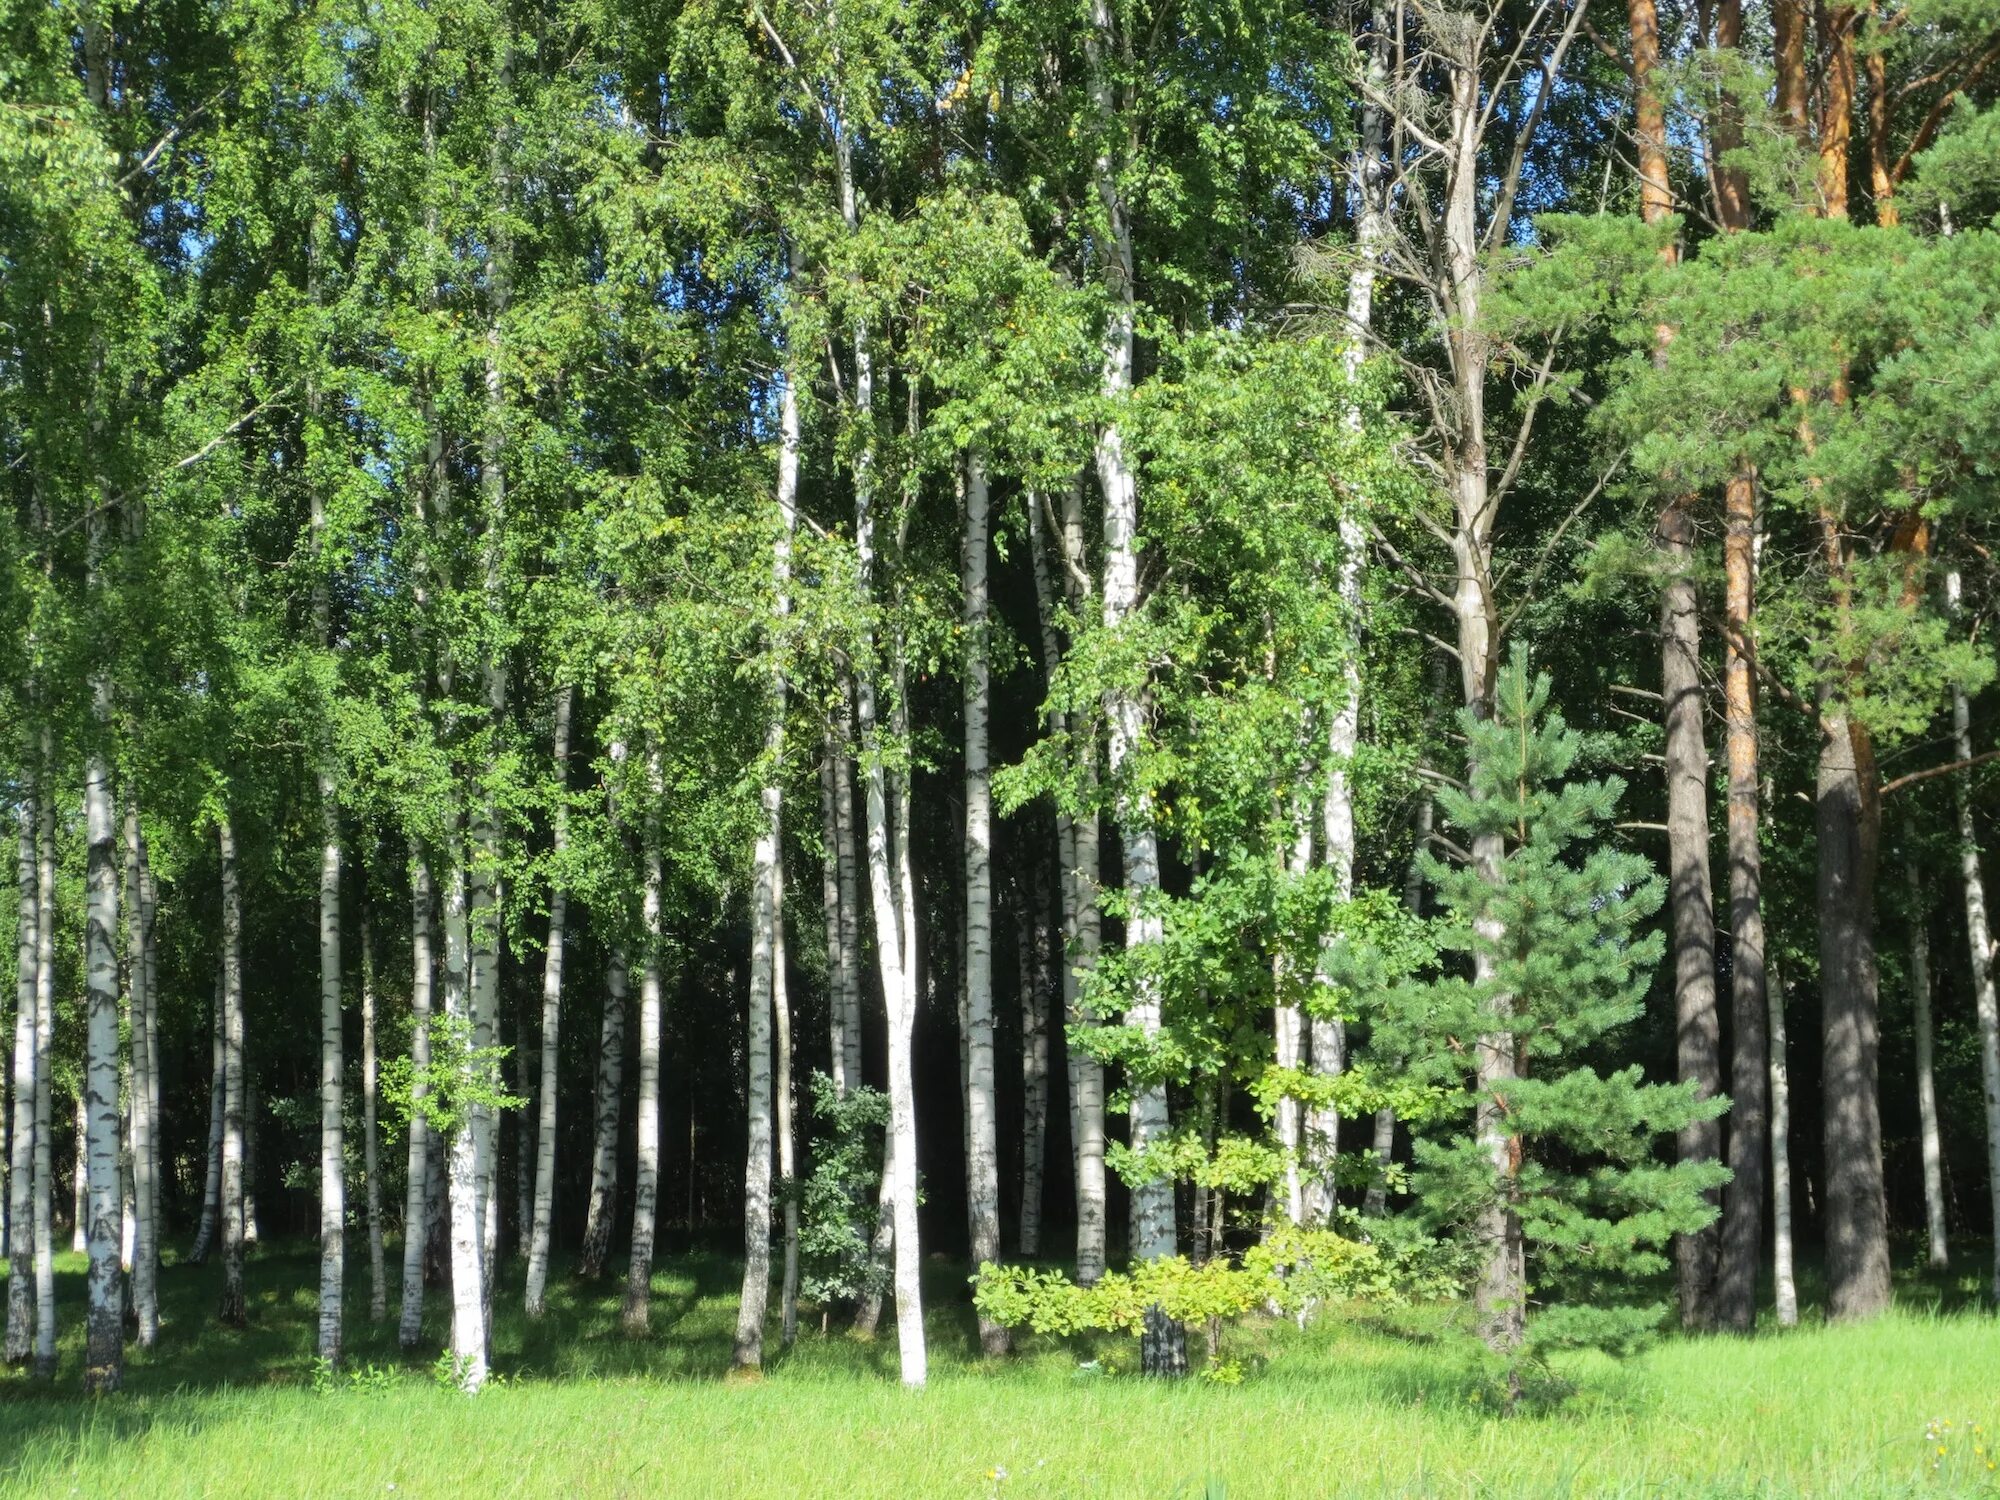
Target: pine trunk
[(1691, 901), (1743, 1199)]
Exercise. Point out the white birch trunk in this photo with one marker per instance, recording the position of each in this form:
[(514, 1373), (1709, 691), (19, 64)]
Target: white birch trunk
[(848, 868), (1289, 1044), (982, 1145), (1034, 968), (543, 1212), (332, 1072), (104, 1352), (21, 1155), (781, 1025), (79, 1177), (837, 978), (1781, 1150), (604, 1141), (149, 906), (1979, 934), (468, 1250), (144, 1258), (45, 1041), (766, 905), (1076, 853), (233, 1093), (211, 1187), (418, 1185), (1927, 1120), (646, 1174), (371, 1150)]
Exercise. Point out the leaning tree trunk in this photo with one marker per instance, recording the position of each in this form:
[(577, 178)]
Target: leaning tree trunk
[(21, 1156), (1927, 1120), (145, 1259), (604, 1143), (646, 1175), (233, 1093), (371, 1154), (1979, 933), (418, 1194), (1743, 1200), (982, 1144), (552, 976)]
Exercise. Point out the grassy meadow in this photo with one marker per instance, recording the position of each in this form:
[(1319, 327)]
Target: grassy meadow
[(1354, 1405)]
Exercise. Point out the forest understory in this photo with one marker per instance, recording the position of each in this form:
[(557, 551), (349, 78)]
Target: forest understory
[(1395, 1405)]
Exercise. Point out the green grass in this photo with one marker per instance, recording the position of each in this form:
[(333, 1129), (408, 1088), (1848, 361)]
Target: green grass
[(1347, 1407)]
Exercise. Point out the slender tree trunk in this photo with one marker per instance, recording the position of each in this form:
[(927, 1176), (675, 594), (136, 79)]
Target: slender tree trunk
[(1743, 1201), (829, 891), (1781, 1152), (1927, 1120), (104, 1353), (604, 1144), (420, 1183), (332, 1073), (1979, 933), (211, 1188), (982, 1146), (552, 975), (145, 1259), (233, 1092), (1289, 1041), (781, 1022), (646, 1177), (468, 1251), (45, 1041), (149, 907), (767, 904), (21, 1157), (1035, 988), (371, 1152), (1077, 858), (79, 1178), (848, 868)]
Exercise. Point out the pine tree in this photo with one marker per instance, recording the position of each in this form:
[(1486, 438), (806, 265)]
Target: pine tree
[(1565, 1153)]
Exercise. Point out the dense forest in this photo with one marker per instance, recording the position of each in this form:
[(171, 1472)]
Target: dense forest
[(1207, 656)]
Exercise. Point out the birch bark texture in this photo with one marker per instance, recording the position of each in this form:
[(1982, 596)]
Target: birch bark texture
[(1920, 1024), (766, 906), (417, 1199), (637, 1312), (603, 1203), (541, 1228), (1979, 937), (982, 1143)]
